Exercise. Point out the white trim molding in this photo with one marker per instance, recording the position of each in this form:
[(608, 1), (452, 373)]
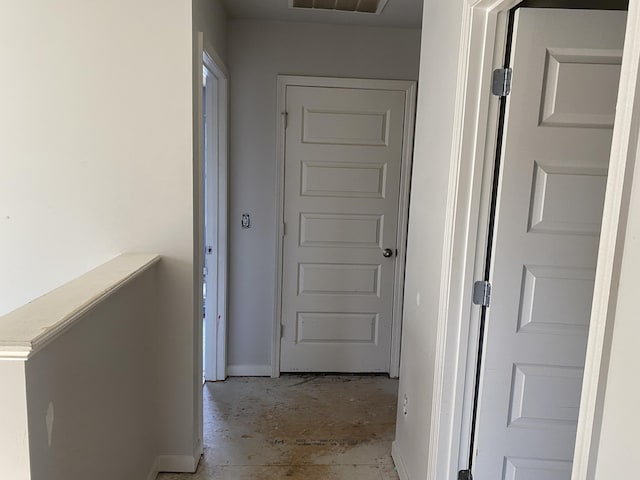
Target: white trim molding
[(217, 323), (176, 464), (624, 151), (409, 88), (153, 473), (249, 370), (398, 462), (476, 113)]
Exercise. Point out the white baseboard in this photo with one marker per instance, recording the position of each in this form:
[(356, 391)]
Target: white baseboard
[(176, 463), (249, 370), (153, 474), (397, 460)]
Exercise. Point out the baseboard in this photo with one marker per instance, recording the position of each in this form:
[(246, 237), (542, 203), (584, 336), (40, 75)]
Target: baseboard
[(249, 370), (397, 460), (176, 463), (153, 474)]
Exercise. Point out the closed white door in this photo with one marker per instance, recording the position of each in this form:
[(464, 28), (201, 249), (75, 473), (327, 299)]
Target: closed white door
[(555, 154), (343, 155)]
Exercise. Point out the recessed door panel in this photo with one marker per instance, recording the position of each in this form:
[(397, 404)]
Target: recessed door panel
[(345, 127), (340, 230), (340, 328), (545, 396), (567, 199), (535, 469), (339, 279), (343, 179), (596, 73), (556, 300)]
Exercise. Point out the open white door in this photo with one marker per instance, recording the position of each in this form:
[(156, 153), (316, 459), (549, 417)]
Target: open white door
[(215, 101), (556, 146)]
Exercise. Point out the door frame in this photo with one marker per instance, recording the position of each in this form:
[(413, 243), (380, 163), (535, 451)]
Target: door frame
[(474, 140), (216, 331), (409, 88)]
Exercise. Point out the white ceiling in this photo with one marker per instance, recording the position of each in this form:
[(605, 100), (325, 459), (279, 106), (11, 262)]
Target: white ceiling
[(397, 13)]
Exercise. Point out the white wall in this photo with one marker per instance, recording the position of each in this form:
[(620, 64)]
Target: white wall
[(258, 52), (96, 159), (442, 22)]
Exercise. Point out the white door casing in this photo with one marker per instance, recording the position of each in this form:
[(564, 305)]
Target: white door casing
[(343, 156), (557, 140), (215, 170)]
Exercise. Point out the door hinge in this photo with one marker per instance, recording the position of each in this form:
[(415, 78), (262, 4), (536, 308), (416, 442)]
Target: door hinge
[(281, 330), (283, 227), (482, 293), (465, 475), (286, 119), (501, 83)]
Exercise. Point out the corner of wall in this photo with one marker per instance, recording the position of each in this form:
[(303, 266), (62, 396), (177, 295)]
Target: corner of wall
[(397, 460), (175, 464)]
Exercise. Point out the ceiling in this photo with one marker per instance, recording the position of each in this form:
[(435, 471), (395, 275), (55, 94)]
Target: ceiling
[(397, 13)]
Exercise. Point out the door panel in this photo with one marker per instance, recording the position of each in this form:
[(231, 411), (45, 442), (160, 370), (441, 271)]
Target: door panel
[(343, 154), (555, 153)]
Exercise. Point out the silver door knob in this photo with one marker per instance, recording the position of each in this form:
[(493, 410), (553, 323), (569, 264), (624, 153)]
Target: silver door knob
[(387, 252)]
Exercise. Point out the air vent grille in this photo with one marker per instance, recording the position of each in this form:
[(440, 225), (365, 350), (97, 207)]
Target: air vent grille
[(357, 6)]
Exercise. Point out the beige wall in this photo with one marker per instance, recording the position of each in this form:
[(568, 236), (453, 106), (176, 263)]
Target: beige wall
[(96, 159), (441, 29), (258, 52)]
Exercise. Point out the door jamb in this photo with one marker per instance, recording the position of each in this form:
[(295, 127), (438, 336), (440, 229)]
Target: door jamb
[(466, 221), (213, 63), (200, 47), (624, 151), (409, 87)]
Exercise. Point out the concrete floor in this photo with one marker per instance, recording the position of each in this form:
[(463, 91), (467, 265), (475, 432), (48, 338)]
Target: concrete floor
[(311, 427)]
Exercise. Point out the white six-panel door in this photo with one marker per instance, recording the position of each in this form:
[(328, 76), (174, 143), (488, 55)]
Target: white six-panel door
[(557, 138), (343, 155)]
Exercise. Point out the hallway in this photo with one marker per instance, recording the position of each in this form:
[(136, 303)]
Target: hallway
[(311, 427)]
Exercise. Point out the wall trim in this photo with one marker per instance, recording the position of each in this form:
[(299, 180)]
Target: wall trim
[(398, 462), (217, 323), (249, 370), (410, 88), (153, 473), (473, 144), (176, 463), (28, 329), (200, 51)]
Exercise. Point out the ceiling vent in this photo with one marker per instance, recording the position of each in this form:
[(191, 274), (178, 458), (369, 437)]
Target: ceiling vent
[(357, 6)]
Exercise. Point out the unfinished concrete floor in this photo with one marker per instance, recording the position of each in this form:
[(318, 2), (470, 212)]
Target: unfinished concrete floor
[(305, 427)]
